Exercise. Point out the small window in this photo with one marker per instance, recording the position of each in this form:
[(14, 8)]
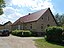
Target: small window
[(41, 27), (42, 18), (30, 26), (48, 25), (41, 24)]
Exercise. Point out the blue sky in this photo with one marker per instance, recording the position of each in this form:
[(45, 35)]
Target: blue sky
[(17, 8), (58, 6)]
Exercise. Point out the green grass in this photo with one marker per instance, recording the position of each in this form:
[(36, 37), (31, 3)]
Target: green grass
[(42, 43)]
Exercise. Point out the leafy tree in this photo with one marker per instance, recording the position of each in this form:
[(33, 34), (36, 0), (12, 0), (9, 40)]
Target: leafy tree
[(60, 19), (57, 17), (2, 5)]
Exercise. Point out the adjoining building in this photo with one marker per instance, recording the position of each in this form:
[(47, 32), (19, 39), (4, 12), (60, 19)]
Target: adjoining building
[(6, 25), (1, 26)]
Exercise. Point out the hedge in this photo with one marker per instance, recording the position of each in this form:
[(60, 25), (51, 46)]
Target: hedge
[(21, 33), (63, 33), (54, 33)]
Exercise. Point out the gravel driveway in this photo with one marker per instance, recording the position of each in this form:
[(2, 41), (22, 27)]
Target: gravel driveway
[(16, 42)]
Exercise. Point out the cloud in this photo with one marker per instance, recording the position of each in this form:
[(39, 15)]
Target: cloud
[(8, 10), (33, 4), (11, 17), (16, 8), (10, 14), (2, 19)]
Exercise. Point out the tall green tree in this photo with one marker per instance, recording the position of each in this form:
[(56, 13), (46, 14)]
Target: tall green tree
[(2, 5), (60, 19)]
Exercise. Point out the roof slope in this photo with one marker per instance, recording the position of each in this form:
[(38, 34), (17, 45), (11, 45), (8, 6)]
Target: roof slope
[(32, 17), (1, 25), (5, 23)]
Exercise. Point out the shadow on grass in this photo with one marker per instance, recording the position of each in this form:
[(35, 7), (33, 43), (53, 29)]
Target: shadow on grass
[(57, 43)]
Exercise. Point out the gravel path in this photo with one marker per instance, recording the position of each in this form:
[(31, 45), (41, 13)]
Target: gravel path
[(16, 42)]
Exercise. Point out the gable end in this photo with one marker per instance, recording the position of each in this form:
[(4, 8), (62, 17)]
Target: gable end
[(53, 16)]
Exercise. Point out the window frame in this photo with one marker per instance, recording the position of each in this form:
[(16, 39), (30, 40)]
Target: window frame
[(30, 26), (41, 26)]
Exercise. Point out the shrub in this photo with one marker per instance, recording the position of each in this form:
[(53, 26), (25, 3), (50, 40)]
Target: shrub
[(17, 32), (26, 34), (34, 34), (63, 33), (21, 32), (54, 33)]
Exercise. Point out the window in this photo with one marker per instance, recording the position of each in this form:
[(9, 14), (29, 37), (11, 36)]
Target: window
[(30, 26), (41, 26), (42, 18), (25, 26), (48, 25), (19, 27)]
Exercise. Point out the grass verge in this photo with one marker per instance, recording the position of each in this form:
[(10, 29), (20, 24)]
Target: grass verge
[(42, 43)]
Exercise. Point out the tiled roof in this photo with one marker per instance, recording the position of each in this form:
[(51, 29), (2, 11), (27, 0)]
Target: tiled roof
[(30, 17), (1, 25), (5, 23)]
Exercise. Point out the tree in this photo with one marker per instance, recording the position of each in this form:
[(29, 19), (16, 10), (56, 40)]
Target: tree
[(57, 17), (2, 5), (60, 19)]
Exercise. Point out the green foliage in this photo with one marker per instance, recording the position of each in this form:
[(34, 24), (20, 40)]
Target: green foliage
[(21, 33), (54, 33), (2, 5), (60, 19), (1, 11), (63, 33)]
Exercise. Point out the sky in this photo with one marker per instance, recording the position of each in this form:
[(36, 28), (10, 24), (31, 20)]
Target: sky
[(18, 8)]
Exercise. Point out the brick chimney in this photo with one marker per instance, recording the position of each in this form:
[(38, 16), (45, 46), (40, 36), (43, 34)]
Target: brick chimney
[(29, 14)]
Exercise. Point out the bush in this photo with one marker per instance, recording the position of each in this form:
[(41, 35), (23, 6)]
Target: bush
[(54, 33), (16, 32), (34, 34), (63, 33), (26, 34), (21, 33)]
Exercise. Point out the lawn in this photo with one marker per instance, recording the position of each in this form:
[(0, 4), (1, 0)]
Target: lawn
[(42, 43)]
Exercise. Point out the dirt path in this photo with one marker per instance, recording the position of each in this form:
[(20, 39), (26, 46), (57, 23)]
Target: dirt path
[(16, 42)]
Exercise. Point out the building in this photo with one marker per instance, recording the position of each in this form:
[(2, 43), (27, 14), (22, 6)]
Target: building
[(1, 26), (6, 25), (36, 21)]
